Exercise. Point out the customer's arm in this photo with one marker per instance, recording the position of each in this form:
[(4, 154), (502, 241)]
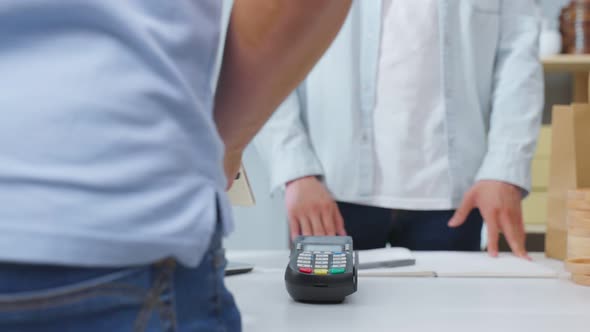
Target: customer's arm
[(514, 125), (271, 45)]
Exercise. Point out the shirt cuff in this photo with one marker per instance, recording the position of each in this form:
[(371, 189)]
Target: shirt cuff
[(507, 167), (293, 164)]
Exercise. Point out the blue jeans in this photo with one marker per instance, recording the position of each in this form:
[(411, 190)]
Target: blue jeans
[(164, 297), (373, 227)]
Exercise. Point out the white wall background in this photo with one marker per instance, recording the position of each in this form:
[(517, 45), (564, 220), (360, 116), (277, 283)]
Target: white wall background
[(264, 226)]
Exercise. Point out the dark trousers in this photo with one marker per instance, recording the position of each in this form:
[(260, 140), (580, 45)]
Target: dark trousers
[(373, 227)]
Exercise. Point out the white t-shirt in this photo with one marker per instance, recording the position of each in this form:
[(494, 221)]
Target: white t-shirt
[(412, 168)]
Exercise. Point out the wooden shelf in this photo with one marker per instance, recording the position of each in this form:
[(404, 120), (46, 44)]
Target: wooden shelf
[(579, 66), (535, 229), (567, 63)]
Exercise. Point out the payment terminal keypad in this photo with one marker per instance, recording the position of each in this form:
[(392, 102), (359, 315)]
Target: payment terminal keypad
[(321, 262)]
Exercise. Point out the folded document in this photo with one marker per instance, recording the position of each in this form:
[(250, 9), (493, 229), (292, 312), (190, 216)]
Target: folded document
[(385, 258), (453, 265)]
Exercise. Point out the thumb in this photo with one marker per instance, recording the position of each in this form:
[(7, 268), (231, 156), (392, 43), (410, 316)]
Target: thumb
[(463, 211)]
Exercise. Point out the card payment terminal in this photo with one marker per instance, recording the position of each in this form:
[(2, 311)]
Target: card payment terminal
[(321, 269)]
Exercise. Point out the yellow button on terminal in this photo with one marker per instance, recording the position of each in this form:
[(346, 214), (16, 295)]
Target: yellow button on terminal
[(320, 271)]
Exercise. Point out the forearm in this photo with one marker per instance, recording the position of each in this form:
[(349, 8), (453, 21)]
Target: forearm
[(271, 46), (284, 146), (518, 98)]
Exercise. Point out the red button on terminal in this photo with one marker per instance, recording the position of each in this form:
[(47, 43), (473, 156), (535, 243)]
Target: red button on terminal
[(305, 270)]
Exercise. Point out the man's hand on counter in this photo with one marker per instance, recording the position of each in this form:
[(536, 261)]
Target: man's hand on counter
[(500, 205), (311, 209)]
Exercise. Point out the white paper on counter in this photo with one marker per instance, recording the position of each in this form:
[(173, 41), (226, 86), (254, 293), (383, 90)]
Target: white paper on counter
[(446, 264)]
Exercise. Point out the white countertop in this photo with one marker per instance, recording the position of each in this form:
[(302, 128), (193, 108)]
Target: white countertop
[(412, 304)]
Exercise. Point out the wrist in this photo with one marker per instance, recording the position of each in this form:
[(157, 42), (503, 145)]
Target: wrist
[(499, 182), (301, 179)]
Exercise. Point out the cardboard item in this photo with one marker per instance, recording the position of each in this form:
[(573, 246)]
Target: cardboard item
[(240, 193), (569, 169), (556, 235), (557, 211), (556, 243)]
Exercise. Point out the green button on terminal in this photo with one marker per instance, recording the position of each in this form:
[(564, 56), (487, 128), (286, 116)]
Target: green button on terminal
[(337, 270)]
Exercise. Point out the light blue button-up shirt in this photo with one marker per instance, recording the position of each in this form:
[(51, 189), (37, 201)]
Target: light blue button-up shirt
[(493, 96), (108, 151)]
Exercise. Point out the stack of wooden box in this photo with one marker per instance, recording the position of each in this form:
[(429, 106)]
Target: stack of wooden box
[(569, 170), (578, 236)]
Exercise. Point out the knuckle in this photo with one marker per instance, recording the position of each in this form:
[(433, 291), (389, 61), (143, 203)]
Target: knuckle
[(470, 195), (316, 206), (296, 208), (330, 227)]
